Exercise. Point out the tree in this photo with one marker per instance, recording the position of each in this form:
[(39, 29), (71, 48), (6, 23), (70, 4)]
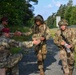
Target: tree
[(51, 21), (61, 11), (18, 11), (70, 3), (73, 16), (67, 14)]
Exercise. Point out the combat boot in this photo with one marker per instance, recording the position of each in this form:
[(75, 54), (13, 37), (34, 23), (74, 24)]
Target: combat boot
[(41, 72)]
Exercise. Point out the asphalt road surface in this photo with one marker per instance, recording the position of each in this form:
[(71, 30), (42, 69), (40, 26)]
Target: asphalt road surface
[(52, 64)]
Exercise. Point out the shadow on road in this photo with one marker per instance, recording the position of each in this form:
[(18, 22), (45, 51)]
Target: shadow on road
[(28, 65)]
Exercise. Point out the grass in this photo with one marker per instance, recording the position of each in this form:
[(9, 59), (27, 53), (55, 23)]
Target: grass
[(52, 32)]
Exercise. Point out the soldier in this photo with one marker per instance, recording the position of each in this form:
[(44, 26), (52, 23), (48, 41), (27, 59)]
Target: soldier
[(64, 39), (42, 31), (9, 62), (4, 23), (5, 51)]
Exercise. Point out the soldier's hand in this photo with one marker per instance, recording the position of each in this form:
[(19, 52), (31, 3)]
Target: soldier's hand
[(6, 34), (42, 38), (63, 43), (69, 46), (17, 33)]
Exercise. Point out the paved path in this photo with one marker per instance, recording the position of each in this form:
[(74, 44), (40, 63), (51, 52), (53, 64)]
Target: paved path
[(28, 65)]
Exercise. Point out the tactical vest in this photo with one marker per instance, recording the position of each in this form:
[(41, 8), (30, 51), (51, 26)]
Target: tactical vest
[(35, 29)]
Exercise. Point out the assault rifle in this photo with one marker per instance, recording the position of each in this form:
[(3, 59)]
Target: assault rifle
[(67, 43)]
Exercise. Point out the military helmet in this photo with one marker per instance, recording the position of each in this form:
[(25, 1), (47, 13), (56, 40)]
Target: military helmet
[(36, 36), (39, 18), (63, 22)]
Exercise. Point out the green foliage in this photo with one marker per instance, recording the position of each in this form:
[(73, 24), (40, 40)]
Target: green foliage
[(19, 12), (53, 31), (61, 11), (14, 50), (51, 21), (67, 12), (73, 16), (70, 3)]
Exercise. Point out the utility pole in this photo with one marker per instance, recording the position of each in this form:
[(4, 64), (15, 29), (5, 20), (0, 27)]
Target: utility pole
[(58, 18)]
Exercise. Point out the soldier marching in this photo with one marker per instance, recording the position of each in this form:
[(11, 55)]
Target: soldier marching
[(40, 33), (64, 39)]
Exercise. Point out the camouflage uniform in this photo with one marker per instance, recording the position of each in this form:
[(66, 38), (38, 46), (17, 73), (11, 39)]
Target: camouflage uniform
[(66, 58), (40, 49), (7, 60)]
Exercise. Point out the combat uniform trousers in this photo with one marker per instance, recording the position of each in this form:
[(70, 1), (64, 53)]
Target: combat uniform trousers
[(12, 67), (41, 56), (3, 54), (13, 71), (67, 62)]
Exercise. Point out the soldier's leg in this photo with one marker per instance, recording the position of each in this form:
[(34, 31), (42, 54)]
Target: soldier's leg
[(44, 52), (71, 63), (65, 67), (9, 71), (2, 71), (70, 69), (12, 64), (63, 58), (15, 70), (40, 64), (39, 60)]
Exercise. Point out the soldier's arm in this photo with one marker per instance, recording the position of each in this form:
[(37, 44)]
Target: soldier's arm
[(47, 35), (27, 33), (24, 34), (57, 39), (13, 43), (73, 34), (30, 44), (18, 33), (27, 44), (73, 38), (11, 34)]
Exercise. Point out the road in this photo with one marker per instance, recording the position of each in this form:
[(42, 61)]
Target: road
[(52, 64)]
